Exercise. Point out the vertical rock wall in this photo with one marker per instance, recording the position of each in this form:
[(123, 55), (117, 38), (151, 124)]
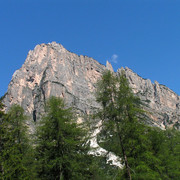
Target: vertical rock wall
[(51, 70)]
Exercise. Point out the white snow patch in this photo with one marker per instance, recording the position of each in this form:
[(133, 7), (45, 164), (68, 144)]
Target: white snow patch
[(100, 151)]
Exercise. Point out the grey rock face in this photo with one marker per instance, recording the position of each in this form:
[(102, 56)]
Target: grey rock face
[(160, 101), (51, 70)]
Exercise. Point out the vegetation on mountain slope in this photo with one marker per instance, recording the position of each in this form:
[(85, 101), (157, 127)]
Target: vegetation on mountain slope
[(142, 149), (60, 149)]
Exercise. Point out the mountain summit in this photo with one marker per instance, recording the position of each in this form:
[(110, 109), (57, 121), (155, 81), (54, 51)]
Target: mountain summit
[(51, 70)]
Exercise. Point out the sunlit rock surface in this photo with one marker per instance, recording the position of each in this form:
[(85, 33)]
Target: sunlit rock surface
[(51, 70), (162, 103)]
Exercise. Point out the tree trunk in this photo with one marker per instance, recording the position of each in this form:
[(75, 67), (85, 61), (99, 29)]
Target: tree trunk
[(124, 154)]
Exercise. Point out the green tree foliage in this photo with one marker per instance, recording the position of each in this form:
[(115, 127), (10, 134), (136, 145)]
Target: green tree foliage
[(62, 148), (122, 129), (119, 117), (103, 170), (172, 164), (2, 117), (165, 146), (146, 152), (16, 151)]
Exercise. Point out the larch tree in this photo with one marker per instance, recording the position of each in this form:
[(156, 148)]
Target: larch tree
[(61, 145), (121, 114), (16, 154)]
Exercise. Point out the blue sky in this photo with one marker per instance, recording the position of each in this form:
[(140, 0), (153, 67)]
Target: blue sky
[(143, 35)]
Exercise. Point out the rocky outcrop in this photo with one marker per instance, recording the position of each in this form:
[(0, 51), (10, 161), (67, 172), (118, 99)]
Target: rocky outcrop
[(162, 103), (51, 70)]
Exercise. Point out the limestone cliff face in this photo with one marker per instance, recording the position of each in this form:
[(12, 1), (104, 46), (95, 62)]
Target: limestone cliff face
[(51, 70), (162, 103)]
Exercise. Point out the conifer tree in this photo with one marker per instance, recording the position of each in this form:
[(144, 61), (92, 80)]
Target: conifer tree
[(16, 150), (61, 147), (170, 154), (146, 152), (121, 115), (2, 117), (165, 146)]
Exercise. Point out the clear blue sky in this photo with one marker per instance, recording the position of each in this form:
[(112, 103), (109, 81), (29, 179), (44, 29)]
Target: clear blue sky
[(143, 35)]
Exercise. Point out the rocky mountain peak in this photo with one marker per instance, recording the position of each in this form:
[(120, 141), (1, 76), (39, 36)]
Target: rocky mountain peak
[(109, 66), (51, 70)]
